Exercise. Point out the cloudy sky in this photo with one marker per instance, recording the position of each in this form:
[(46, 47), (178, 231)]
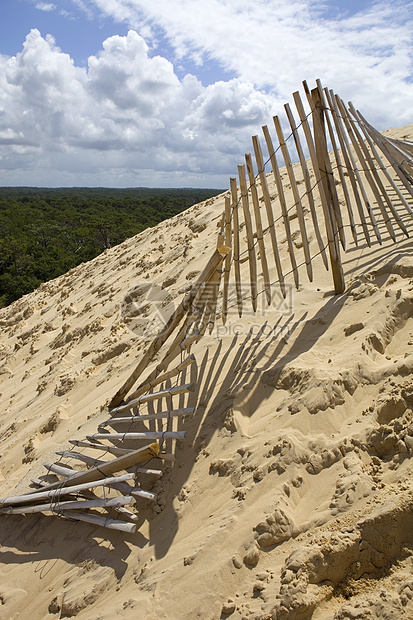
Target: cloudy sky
[(167, 93)]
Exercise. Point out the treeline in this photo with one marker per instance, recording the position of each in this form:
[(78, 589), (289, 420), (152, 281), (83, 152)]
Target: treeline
[(46, 232)]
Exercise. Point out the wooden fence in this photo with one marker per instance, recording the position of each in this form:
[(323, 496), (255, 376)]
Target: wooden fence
[(344, 151), (336, 149)]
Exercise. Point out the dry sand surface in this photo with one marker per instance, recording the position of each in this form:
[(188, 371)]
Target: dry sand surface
[(291, 496)]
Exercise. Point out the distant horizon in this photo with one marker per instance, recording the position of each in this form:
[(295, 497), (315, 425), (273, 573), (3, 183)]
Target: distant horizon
[(103, 187)]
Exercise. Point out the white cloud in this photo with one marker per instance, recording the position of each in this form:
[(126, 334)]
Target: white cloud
[(128, 119), (275, 45), (45, 6), (127, 112)]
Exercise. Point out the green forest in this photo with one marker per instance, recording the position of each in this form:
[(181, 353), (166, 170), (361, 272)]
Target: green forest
[(45, 232)]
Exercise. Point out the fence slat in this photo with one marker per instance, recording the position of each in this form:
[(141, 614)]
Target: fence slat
[(89, 460), (173, 391), (111, 524), (284, 212), (365, 166), (384, 172), (315, 100), (307, 180), (333, 246), (296, 194), (58, 506), (339, 164), (97, 473), (405, 145), (357, 172), (250, 235), (180, 348), (380, 189), (207, 320), (228, 259), (349, 162), (382, 143), (144, 435), (221, 234), (100, 446), (403, 156), (258, 223), (150, 383), (189, 325), (61, 488), (60, 470), (132, 419), (237, 266)]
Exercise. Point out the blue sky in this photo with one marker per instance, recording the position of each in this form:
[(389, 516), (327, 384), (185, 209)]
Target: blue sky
[(169, 92), (75, 32)]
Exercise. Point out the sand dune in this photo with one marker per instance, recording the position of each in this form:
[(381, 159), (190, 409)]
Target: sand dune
[(291, 496)]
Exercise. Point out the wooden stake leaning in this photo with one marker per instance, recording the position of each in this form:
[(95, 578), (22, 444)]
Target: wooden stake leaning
[(356, 171), (61, 488), (316, 103), (125, 512), (318, 107), (403, 156), (228, 259), (250, 235), (348, 160), (60, 470), (149, 383), (384, 170), (97, 473), (184, 345), (366, 163), (173, 322), (126, 489), (144, 435), (195, 312), (58, 506), (405, 145), (237, 266), (89, 460), (67, 471), (207, 317), (185, 411), (307, 180), (100, 446), (328, 113), (111, 524), (381, 190), (210, 312), (296, 194), (382, 143), (191, 320), (221, 234), (327, 183), (333, 248), (283, 204), (258, 223), (122, 487), (179, 389)]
